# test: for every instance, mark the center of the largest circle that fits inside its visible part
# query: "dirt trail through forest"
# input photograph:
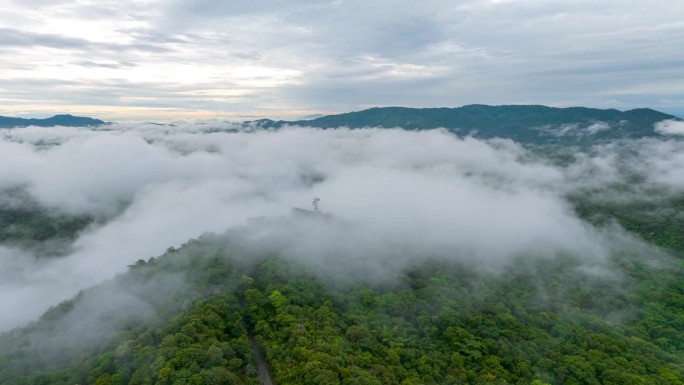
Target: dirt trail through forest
(262, 366)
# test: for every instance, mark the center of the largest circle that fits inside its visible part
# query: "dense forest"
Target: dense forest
(539, 321)
(37, 229)
(362, 296)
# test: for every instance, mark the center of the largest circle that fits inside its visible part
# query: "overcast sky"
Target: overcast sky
(240, 59)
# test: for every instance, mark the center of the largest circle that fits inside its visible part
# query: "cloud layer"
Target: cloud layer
(395, 195)
(214, 59)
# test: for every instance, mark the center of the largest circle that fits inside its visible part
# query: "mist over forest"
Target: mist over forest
(147, 189)
(86, 205)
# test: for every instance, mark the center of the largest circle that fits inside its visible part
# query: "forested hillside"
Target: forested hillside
(522, 123)
(430, 259)
(539, 320)
(57, 120)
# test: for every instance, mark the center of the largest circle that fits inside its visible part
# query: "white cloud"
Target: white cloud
(399, 194)
(670, 127)
(597, 127)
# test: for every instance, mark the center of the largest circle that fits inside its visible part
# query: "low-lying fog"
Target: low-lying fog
(404, 194)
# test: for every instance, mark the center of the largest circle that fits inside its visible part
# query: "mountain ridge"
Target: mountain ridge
(525, 123)
(66, 120)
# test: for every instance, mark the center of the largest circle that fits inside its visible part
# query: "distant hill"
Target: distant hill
(312, 117)
(57, 120)
(531, 123)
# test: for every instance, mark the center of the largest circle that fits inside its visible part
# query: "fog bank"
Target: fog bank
(395, 195)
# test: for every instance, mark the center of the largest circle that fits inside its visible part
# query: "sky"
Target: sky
(166, 60)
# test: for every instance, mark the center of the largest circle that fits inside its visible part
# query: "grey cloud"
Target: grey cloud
(242, 8)
(158, 37)
(113, 65)
(248, 55)
(576, 68)
(18, 38)
(35, 3)
(333, 29)
(15, 37)
(595, 53)
(344, 95)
